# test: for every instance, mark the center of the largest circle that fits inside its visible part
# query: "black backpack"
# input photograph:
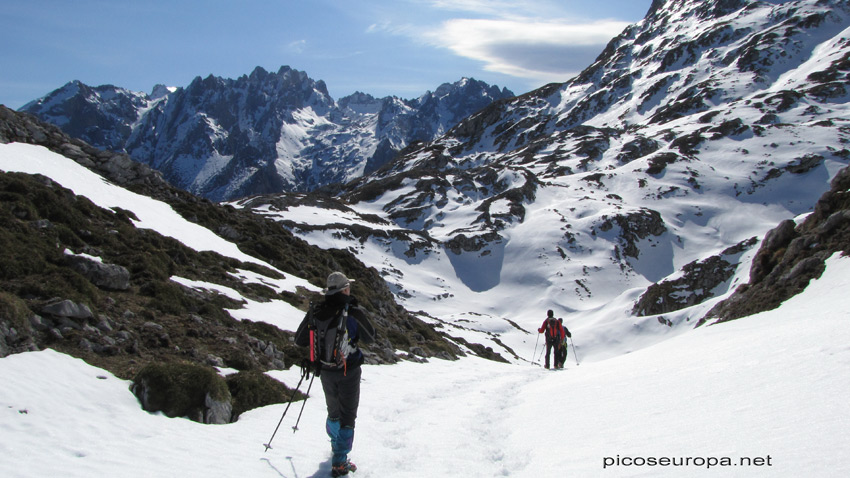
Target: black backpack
(329, 346)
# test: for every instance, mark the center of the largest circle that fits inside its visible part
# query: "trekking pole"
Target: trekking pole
(575, 352)
(535, 351)
(304, 373)
(295, 428)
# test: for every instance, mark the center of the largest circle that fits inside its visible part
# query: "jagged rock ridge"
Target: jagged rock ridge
(260, 133)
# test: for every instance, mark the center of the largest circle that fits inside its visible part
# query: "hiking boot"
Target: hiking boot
(343, 469)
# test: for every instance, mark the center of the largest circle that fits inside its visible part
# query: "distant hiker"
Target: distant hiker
(561, 353)
(553, 333)
(332, 330)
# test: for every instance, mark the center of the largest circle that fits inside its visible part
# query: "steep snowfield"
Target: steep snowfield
(152, 214)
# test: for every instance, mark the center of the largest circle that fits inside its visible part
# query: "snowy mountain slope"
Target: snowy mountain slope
(149, 213)
(261, 133)
(754, 397)
(188, 267)
(698, 130)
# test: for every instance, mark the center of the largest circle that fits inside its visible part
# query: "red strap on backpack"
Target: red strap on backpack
(312, 346)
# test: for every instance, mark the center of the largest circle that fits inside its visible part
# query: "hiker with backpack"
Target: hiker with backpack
(553, 332)
(561, 353)
(332, 329)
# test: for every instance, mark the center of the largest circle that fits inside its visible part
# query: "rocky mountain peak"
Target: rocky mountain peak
(263, 132)
(703, 9)
(361, 103)
(161, 91)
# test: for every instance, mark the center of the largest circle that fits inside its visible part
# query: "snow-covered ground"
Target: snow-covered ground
(695, 402)
(761, 396)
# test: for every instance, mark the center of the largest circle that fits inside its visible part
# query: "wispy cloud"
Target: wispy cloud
(526, 48)
(296, 46)
(405, 29)
(539, 40)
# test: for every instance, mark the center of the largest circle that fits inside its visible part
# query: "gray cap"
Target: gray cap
(336, 283)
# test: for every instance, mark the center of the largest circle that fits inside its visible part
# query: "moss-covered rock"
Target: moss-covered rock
(184, 390)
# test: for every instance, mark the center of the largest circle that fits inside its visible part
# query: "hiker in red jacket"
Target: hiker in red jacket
(554, 333)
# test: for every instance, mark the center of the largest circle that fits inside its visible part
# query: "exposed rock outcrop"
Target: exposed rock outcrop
(792, 255)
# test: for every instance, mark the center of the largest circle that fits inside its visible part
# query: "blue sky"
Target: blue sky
(380, 47)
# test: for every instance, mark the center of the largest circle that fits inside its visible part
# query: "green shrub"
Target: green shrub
(179, 389)
(240, 360)
(14, 311)
(166, 297)
(255, 389)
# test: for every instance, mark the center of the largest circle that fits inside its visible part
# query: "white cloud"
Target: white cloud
(527, 48)
(391, 28)
(297, 46)
(539, 41)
